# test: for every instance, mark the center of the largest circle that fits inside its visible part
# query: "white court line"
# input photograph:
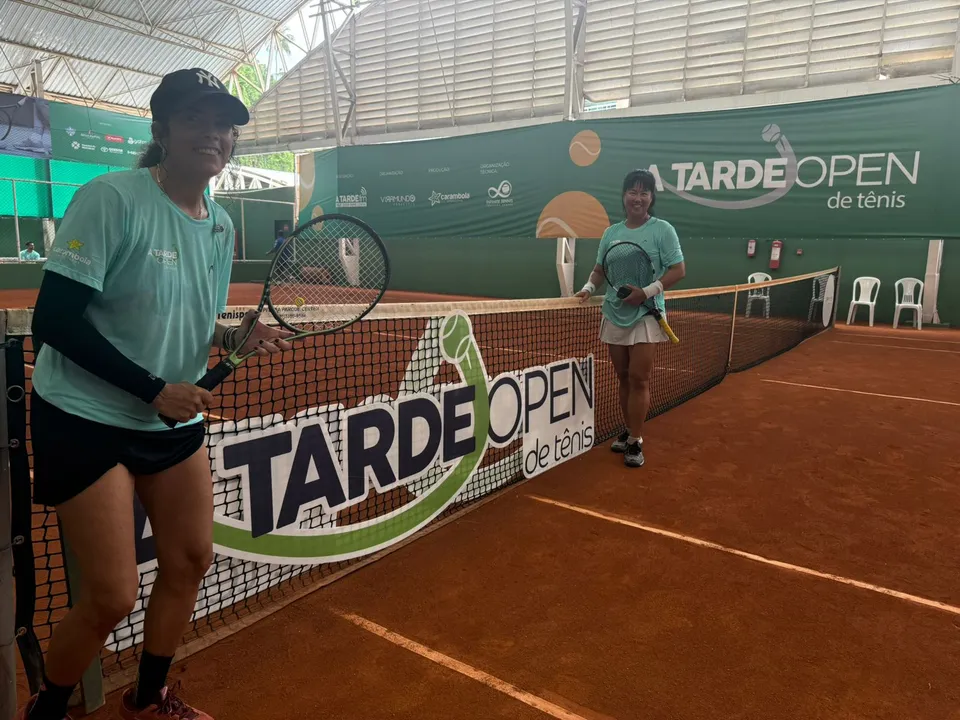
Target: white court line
(897, 336)
(916, 599)
(501, 686)
(862, 392)
(899, 347)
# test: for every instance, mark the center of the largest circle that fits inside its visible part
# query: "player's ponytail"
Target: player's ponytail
(154, 153)
(151, 156)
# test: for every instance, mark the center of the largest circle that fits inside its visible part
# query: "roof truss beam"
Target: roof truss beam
(140, 29)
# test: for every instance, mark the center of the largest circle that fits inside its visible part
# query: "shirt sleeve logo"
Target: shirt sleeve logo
(70, 252)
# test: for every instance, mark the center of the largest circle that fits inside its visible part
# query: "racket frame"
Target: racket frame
(623, 292)
(324, 218)
(217, 374)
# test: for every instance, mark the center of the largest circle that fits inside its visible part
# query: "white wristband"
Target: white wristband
(653, 289)
(589, 287)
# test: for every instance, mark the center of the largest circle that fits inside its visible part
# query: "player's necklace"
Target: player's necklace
(199, 214)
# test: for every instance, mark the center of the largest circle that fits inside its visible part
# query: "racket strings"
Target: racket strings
(627, 265)
(330, 263)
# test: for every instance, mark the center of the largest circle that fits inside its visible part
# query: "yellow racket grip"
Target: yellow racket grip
(668, 330)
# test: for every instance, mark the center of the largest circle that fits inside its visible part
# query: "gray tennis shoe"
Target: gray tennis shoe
(633, 455)
(620, 444)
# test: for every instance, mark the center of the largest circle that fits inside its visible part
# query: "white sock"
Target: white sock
(631, 440)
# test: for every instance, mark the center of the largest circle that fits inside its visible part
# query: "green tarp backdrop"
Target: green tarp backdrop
(44, 130)
(869, 166)
(97, 136)
(53, 142)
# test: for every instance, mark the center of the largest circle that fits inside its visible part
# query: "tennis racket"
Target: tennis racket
(626, 263)
(330, 273)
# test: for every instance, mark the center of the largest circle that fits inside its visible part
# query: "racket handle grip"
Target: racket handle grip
(668, 330)
(213, 377)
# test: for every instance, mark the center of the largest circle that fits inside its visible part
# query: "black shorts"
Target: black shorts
(71, 453)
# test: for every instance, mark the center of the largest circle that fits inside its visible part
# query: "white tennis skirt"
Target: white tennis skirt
(646, 330)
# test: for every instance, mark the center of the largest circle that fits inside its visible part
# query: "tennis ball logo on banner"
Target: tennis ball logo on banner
(428, 444)
(575, 213)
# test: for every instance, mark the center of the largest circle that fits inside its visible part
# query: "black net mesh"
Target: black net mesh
(771, 320)
(383, 357)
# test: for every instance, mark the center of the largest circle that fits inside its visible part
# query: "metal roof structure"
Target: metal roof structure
(112, 53)
(404, 69)
(238, 177)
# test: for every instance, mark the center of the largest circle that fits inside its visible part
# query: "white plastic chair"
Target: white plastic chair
(865, 291)
(762, 294)
(819, 294)
(909, 296)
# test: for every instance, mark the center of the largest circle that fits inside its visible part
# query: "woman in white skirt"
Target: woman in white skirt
(626, 327)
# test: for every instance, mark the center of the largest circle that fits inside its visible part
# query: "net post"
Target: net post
(566, 254)
(733, 327)
(8, 663)
(836, 297)
(243, 231)
(16, 221)
(14, 416)
(90, 691)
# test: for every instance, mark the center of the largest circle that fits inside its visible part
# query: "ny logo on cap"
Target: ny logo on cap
(210, 79)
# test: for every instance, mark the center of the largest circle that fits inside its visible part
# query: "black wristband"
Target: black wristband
(152, 387)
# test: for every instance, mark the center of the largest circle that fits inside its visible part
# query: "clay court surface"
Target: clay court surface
(788, 553)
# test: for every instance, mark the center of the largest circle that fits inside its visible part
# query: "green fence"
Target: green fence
(31, 208)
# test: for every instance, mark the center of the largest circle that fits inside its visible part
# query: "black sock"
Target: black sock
(51, 702)
(151, 678)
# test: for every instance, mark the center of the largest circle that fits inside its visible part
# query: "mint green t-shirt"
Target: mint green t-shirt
(29, 255)
(659, 239)
(161, 278)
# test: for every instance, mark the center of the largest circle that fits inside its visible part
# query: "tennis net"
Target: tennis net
(274, 544)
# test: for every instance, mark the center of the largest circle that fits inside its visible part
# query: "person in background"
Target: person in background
(30, 253)
(626, 327)
(127, 314)
(285, 263)
(277, 243)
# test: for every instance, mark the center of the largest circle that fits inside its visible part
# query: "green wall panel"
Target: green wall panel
(484, 267)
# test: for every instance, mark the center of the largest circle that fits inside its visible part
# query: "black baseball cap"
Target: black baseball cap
(185, 87)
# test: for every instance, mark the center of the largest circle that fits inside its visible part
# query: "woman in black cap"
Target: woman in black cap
(126, 316)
